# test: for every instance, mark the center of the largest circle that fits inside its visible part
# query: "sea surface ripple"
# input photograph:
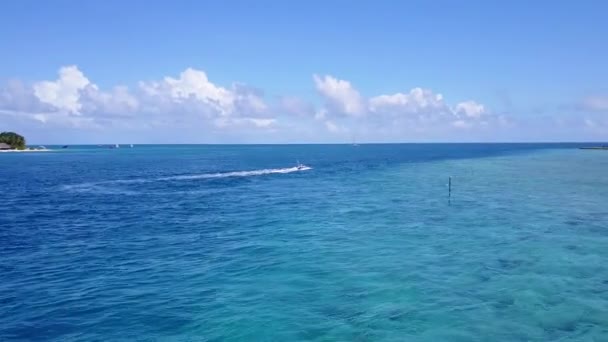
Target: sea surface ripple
(234, 243)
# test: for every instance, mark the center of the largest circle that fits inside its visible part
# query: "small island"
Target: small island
(13, 142)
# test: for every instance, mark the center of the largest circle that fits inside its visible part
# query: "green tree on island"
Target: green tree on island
(15, 140)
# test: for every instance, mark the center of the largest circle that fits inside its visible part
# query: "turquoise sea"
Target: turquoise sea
(233, 243)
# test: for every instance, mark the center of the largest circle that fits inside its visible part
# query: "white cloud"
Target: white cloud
(191, 85)
(417, 100)
(191, 101)
(332, 127)
(74, 100)
(223, 122)
(248, 100)
(426, 106)
(193, 91)
(64, 93)
(18, 97)
(262, 123)
(470, 109)
(400, 116)
(461, 124)
(40, 117)
(340, 95)
(118, 101)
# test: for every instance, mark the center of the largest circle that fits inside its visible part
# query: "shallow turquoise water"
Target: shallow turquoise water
(230, 243)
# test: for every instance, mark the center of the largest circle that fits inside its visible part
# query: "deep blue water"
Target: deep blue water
(231, 243)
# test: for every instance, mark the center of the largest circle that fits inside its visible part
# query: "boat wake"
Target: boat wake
(236, 173)
(99, 186)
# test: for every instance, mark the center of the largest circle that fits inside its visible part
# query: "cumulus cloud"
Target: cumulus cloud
(417, 100)
(64, 93)
(73, 100)
(248, 100)
(340, 95)
(192, 92)
(118, 101)
(15, 96)
(190, 85)
(470, 109)
(191, 101)
(417, 110)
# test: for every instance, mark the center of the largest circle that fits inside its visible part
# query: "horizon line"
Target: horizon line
(335, 143)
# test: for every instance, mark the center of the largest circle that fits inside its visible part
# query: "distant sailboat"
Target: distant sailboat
(116, 146)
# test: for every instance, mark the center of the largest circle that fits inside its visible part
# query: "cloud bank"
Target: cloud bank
(189, 107)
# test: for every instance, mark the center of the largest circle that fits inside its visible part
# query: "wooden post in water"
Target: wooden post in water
(450, 188)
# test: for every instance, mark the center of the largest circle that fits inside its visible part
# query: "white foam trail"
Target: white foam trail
(95, 187)
(235, 174)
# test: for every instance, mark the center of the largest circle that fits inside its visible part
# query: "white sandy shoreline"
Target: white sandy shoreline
(17, 151)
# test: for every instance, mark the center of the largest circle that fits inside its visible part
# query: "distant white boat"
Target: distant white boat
(116, 146)
(131, 145)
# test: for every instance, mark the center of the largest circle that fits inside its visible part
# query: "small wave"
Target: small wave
(97, 186)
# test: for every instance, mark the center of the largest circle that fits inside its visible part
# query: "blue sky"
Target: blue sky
(244, 71)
